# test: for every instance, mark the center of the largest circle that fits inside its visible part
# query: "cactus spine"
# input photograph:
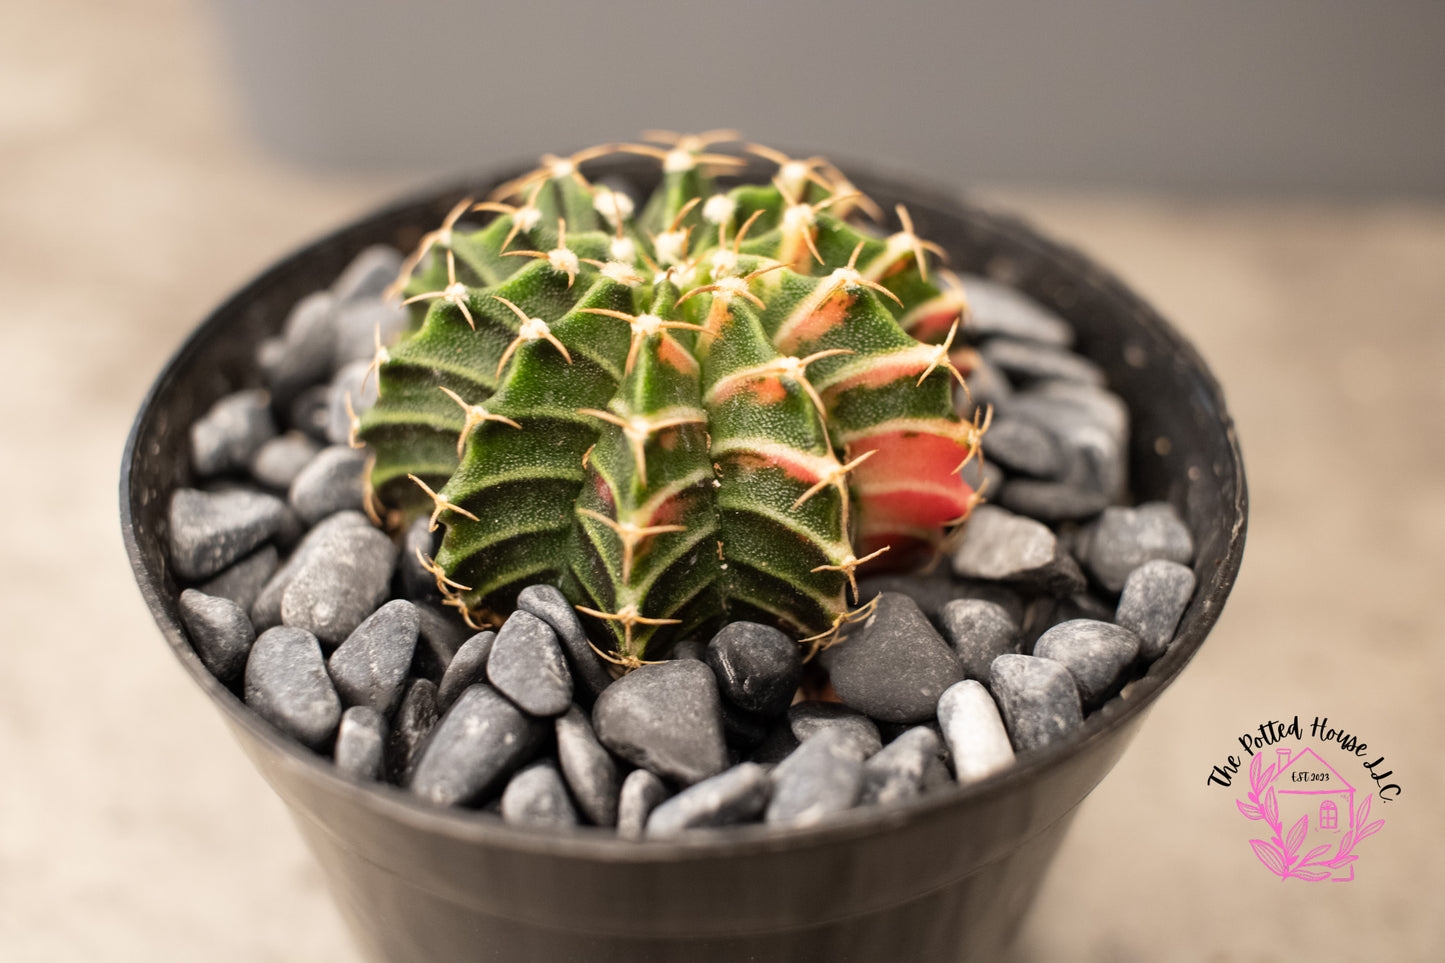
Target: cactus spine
(719, 406)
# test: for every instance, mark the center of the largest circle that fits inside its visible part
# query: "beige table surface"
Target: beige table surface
(131, 827)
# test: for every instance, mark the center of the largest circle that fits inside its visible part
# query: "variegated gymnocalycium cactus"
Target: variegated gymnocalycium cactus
(717, 407)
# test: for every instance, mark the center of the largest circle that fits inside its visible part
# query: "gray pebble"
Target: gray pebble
(758, 668)
(419, 584)
(1002, 546)
(369, 668)
(987, 385)
(536, 796)
(442, 636)
(1037, 698)
(413, 722)
(307, 348)
(936, 777)
(209, 531)
(357, 325)
(361, 743)
(1031, 361)
(340, 581)
(777, 745)
(467, 667)
(735, 796)
(242, 582)
(1154, 598)
(807, 719)
(227, 436)
(1095, 653)
(266, 612)
(220, 631)
(893, 666)
(980, 474)
(287, 684)
(999, 309)
(1124, 538)
(822, 777)
(666, 718)
(351, 383)
(1080, 494)
(978, 743)
(694, 649)
(527, 666)
(642, 792)
(931, 591)
(590, 770)
(368, 274)
(1023, 446)
(277, 463)
(744, 730)
(1006, 598)
(979, 632)
(333, 481)
(895, 773)
(481, 741)
(310, 411)
(589, 672)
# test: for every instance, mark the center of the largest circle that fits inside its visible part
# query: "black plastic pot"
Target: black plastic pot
(948, 877)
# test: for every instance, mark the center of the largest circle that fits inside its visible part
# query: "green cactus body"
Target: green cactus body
(718, 408)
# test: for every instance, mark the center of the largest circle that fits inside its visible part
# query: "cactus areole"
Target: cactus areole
(719, 404)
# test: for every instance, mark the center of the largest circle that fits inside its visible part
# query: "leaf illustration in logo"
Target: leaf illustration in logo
(1249, 811)
(1271, 808)
(1312, 873)
(1267, 853)
(1371, 829)
(1316, 853)
(1256, 772)
(1296, 835)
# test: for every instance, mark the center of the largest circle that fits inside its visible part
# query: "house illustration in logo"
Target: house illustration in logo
(1306, 785)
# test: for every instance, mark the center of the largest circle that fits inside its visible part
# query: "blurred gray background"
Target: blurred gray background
(1292, 96)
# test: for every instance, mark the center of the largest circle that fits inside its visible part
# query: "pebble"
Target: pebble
(209, 531)
(220, 632)
(1002, 546)
(1037, 698)
(442, 637)
(310, 411)
(589, 672)
(536, 796)
(642, 792)
(333, 481)
(694, 649)
(304, 353)
(341, 580)
(666, 718)
(351, 382)
(481, 741)
(744, 730)
(977, 741)
(357, 325)
(527, 666)
(467, 667)
(369, 668)
(777, 744)
(980, 474)
(1021, 445)
(417, 583)
(361, 743)
(277, 463)
(1080, 494)
(287, 684)
(735, 796)
(1095, 653)
(823, 776)
(807, 719)
(895, 773)
(1031, 361)
(413, 722)
(999, 594)
(979, 632)
(590, 769)
(266, 611)
(1000, 309)
(931, 591)
(368, 274)
(1154, 598)
(242, 582)
(1124, 538)
(895, 665)
(987, 385)
(758, 668)
(227, 436)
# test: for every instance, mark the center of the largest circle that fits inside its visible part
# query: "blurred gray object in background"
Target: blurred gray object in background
(1295, 96)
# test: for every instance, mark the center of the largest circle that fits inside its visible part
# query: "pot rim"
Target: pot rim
(589, 842)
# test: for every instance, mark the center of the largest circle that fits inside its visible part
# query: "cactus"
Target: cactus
(719, 405)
